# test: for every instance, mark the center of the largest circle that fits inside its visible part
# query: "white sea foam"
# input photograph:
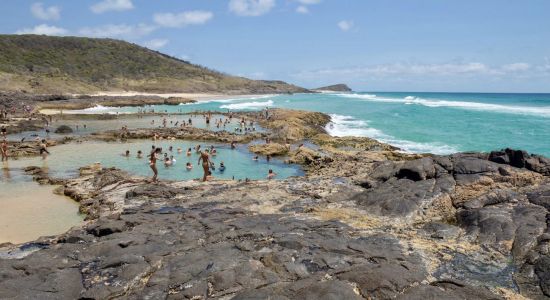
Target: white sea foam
(98, 109)
(349, 126)
(229, 100)
(543, 111)
(248, 105)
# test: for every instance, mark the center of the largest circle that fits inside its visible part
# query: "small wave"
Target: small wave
(98, 109)
(349, 126)
(543, 111)
(248, 105)
(228, 100)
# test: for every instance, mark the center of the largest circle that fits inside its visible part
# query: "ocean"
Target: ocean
(439, 123)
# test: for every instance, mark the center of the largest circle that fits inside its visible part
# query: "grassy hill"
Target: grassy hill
(46, 64)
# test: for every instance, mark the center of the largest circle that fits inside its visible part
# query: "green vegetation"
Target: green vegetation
(46, 64)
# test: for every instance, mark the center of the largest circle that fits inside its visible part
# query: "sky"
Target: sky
(371, 45)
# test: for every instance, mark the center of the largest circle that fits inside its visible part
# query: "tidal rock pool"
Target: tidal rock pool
(30, 210)
(65, 160)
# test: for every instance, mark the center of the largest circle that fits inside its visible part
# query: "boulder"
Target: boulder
(63, 129)
(272, 149)
(521, 159)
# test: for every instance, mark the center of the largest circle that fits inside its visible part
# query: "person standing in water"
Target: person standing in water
(153, 163)
(205, 164)
(4, 150)
(44, 149)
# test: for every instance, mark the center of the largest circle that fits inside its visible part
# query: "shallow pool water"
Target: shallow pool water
(65, 160)
(30, 210)
(132, 122)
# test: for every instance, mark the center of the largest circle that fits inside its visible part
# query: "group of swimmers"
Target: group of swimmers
(204, 160)
(243, 124)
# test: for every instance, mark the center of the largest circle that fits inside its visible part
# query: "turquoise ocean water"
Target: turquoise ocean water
(439, 123)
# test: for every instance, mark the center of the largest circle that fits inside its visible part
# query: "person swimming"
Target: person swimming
(271, 174)
(189, 152)
(173, 159)
(127, 153)
(205, 164)
(213, 151)
(255, 158)
(139, 154)
(153, 162)
(167, 162)
(179, 150)
(198, 149)
(222, 167)
(189, 166)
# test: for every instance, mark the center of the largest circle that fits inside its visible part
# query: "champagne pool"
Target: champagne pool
(65, 160)
(132, 122)
(30, 210)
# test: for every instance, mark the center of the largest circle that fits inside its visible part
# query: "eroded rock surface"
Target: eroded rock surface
(436, 227)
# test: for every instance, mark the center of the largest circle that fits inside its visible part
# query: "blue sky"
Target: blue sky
(373, 45)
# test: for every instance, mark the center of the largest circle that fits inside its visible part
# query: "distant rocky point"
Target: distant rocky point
(334, 88)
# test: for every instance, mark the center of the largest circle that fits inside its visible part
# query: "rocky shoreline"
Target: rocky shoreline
(366, 222)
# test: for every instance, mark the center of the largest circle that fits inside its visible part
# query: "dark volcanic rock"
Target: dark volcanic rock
(153, 191)
(402, 197)
(215, 254)
(447, 290)
(63, 129)
(521, 159)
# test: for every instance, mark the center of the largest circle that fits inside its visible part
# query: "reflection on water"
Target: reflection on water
(30, 210)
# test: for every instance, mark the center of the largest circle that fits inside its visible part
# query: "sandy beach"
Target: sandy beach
(191, 97)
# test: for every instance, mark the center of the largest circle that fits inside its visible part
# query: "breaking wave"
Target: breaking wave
(248, 105)
(543, 111)
(349, 126)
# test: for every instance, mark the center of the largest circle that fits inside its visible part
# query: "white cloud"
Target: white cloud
(112, 5)
(414, 70)
(251, 8)
(516, 67)
(118, 30)
(302, 9)
(45, 13)
(309, 2)
(155, 43)
(196, 17)
(43, 29)
(345, 25)
(545, 67)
